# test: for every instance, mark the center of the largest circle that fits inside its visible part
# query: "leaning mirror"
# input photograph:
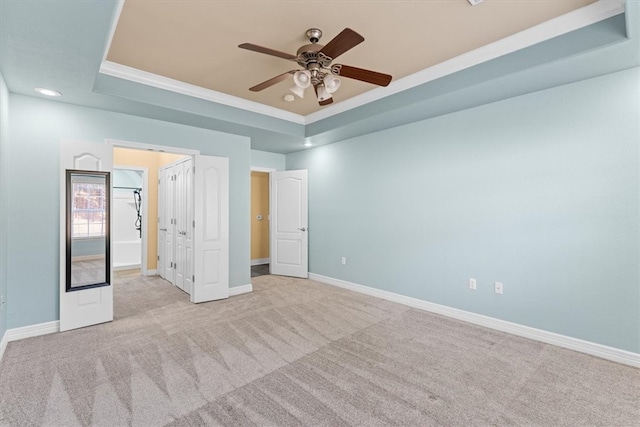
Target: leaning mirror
(88, 262)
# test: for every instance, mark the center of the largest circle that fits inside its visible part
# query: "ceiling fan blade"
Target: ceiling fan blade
(326, 101)
(361, 74)
(271, 82)
(266, 50)
(341, 43)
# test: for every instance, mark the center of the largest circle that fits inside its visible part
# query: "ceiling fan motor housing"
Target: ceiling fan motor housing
(314, 34)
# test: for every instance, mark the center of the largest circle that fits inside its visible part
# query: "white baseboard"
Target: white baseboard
(239, 290)
(260, 261)
(152, 273)
(126, 267)
(3, 344)
(594, 349)
(33, 330)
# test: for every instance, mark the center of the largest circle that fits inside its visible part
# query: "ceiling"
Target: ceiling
(195, 42)
(65, 45)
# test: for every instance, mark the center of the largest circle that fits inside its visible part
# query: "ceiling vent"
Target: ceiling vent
(474, 2)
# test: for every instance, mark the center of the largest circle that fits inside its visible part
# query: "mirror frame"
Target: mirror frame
(69, 203)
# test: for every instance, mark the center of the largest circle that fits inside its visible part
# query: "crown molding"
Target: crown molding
(154, 80)
(585, 16)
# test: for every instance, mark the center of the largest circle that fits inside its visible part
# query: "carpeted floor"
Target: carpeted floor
(296, 352)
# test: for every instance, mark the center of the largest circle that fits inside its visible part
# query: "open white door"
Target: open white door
(289, 241)
(82, 302)
(211, 229)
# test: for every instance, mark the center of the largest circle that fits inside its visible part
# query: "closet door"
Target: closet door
(162, 223)
(180, 225)
(169, 239)
(187, 236)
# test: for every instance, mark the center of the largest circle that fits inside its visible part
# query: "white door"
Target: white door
(180, 225)
(162, 224)
(289, 241)
(211, 229)
(83, 306)
(170, 224)
(188, 229)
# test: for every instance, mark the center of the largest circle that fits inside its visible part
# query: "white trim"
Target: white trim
(133, 74)
(128, 267)
(594, 349)
(3, 344)
(261, 169)
(239, 290)
(153, 272)
(579, 18)
(260, 261)
(16, 334)
(151, 147)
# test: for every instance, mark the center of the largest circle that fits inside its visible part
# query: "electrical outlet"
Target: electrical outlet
(498, 287)
(344, 260)
(472, 284)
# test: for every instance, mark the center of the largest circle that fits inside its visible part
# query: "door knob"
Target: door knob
(302, 229)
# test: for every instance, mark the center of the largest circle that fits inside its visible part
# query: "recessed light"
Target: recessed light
(47, 92)
(288, 97)
(308, 144)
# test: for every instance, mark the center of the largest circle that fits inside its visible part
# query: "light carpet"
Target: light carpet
(299, 353)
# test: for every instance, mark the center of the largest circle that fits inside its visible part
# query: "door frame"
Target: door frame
(266, 170)
(145, 212)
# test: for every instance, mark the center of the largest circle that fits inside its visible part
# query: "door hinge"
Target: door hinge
(193, 279)
(171, 264)
(158, 257)
(194, 169)
(158, 181)
(175, 265)
(194, 223)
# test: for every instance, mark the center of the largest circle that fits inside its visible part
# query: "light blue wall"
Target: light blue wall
(540, 192)
(33, 202)
(4, 141)
(265, 159)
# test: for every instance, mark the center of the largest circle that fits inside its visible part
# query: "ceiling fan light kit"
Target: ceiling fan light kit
(317, 69)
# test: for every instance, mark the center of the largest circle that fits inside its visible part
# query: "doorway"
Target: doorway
(260, 217)
(132, 161)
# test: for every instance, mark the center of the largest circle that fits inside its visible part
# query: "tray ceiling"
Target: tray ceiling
(195, 42)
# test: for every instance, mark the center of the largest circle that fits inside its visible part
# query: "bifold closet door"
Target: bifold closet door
(179, 210)
(169, 236)
(184, 225)
(162, 223)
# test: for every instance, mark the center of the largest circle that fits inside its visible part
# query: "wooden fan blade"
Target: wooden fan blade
(361, 74)
(341, 43)
(266, 50)
(271, 82)
(326, 101)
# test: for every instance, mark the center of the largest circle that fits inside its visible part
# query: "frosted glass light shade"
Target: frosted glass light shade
(302, 79)
(323, 93)
(332, 83)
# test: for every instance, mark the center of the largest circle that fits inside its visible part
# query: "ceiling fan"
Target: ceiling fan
(315, 59)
